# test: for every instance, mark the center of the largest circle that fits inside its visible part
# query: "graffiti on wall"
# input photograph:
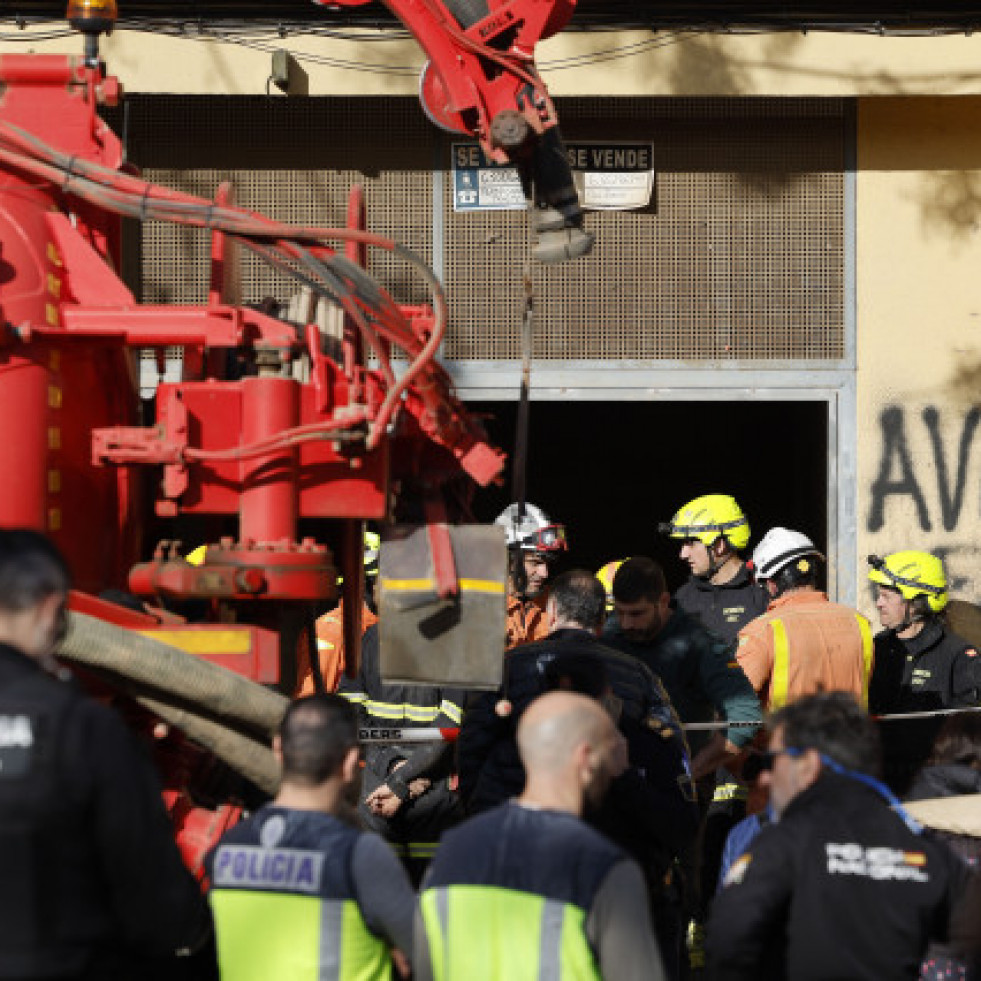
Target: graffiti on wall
(929, 464)
(900, 474)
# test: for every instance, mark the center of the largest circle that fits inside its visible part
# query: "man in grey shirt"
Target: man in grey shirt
(296, 890)
(528, 890)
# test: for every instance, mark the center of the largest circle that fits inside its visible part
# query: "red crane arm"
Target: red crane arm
(481, 81)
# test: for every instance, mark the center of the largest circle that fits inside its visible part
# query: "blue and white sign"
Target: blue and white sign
(608, 177)
(480, 185)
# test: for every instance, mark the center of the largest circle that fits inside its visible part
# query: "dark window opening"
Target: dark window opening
(611, 471)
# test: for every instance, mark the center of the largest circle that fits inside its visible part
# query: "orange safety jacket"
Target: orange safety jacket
(330, 647)
(526, 621)
(803, 644)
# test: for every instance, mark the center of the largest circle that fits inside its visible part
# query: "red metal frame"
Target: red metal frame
(261, 452)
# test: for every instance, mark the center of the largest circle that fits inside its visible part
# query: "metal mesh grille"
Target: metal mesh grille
(740, 256)
(293, 159)
(175, 258)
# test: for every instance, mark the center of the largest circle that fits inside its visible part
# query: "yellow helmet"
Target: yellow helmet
(372, 551)
(708, 517)
(912, 574)
(197, 556)
(605, 576)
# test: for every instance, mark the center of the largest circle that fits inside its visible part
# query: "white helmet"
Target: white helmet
(532, 531)
(778, 548)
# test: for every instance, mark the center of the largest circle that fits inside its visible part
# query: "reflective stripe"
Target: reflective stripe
(331, 926)
(421, 849)
(428, 585)
(406, 710)
(780, 679)
(402, 710)
(865, 629)
(692, 530)
(730, 791)
(451, 710)
(443, 913)
(482, 586)
(550, 946)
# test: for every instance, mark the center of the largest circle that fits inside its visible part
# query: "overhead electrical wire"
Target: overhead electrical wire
(262, 36)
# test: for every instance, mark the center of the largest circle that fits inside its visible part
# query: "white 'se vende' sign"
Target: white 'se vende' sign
(608, 177)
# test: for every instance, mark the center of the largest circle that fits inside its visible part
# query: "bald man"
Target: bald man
(528, 890)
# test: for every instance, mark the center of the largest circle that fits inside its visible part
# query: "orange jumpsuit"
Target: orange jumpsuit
(330, 645)
(803, 644)
(526, 621)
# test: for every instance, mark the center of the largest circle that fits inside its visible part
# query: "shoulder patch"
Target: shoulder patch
(737, 871)
(17, 742)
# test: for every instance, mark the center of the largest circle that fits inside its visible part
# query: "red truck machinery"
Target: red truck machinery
(274, 425)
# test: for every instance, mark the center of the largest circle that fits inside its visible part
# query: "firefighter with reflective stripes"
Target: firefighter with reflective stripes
(528, 891)
(297, 892)
(804, 643)
(406, 795)
(920, 665)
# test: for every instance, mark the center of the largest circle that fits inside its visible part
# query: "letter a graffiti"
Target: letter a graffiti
(895, 446)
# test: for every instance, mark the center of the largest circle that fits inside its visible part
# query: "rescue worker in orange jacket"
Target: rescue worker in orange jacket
(533, 542)
(803, 643)
(330, 629)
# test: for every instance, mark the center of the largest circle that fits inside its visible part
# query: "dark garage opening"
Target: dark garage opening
(610, 471)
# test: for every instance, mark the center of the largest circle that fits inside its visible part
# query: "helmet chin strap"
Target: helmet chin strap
(714, 563)
(910, 618)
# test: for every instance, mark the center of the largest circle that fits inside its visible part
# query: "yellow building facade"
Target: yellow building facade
(897, 400)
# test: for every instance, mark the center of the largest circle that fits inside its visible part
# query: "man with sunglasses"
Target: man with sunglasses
(842, 885)
(534, 542)
(91, 883)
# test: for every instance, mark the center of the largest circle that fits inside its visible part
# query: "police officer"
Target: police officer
(843, 885)
(650, 810)
(527, 890)
(721, 591)
(91, 883)
(297, 892)
(919, 664)
(533, 543)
